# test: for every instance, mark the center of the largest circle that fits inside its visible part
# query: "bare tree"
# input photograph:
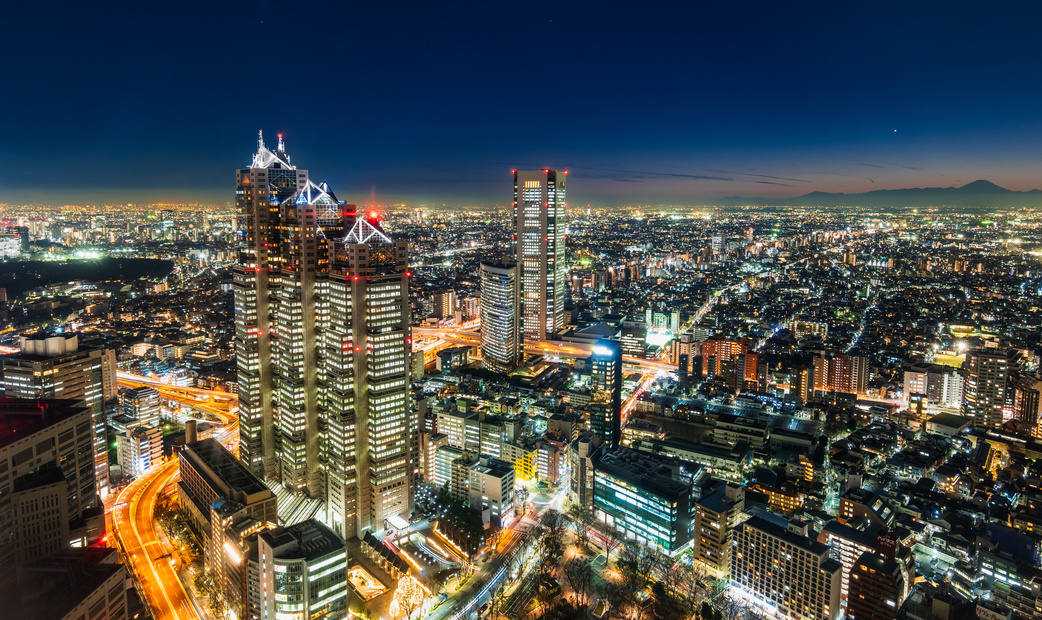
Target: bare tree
(579, 575)
(612, 539)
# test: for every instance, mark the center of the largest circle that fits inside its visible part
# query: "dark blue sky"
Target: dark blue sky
(436, 101)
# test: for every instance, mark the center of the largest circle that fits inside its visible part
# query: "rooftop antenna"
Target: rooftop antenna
(282, 147)
(260, 140)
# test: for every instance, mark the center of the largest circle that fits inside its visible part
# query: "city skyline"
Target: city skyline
(710, 103)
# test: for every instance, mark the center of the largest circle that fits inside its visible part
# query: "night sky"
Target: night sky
(435, 102)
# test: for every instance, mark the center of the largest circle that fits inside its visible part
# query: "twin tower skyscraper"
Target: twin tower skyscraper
(323, 346)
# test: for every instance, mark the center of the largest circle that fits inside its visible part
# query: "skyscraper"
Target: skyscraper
(366, 372)
(986, 385)
(539, 229)
(502, 346)
(308, 221)
(606, 409)
(259, 192)
(323, 345)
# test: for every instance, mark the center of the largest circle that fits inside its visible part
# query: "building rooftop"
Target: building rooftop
(643, 471)
(791, 538)
(307, 540)
(21, 417)
(54, 586)
(224, 464)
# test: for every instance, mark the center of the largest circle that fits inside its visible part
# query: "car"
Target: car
(481, 610)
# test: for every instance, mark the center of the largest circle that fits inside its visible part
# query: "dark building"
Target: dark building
(877, 588)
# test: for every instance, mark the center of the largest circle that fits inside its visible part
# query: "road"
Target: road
(133, 522)
(136, 531)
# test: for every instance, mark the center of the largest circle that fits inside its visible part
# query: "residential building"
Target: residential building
(142, 403)
(786, 572)
(492, 489)
(717, 514)
(986, 385)
(139, 449)
(877, 588)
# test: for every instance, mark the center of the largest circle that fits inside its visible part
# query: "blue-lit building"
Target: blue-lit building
(645, 499)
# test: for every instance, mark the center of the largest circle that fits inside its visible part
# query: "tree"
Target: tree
(408, 597)
(612, 539)
(579, 575)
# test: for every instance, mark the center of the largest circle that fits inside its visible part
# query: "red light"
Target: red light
(513, 171)
(280, 135)
(373, 215)
(566, 172)
(356, 277)
(408, 274)
(357, 349)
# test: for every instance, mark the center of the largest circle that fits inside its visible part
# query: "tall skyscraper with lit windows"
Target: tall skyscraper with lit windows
(367, 348)
(323, 346)
(260, 191)
(539, 232)
(502, 347)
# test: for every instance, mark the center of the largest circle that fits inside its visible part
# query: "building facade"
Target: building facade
(502, 346)
(539, 234)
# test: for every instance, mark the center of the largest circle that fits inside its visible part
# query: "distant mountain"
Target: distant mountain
(978, 194)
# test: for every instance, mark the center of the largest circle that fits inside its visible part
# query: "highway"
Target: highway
(136, 530)
(133, 521)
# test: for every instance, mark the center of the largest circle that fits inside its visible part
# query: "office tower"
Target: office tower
(636, 495)
(142, 403)
(54, 366)
(47, 485)
(371, 426)
(986, 385)
(307, 221)
(786, 571)
(719, 243)
(606, 409)
(539, 230)
(502, 345)
(301, 573)
(260, 190)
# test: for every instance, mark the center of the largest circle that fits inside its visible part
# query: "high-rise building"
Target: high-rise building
(300, 310)
(372, 430)
(445, 304)
(841, 373)
(716, 516)
(986, 385)
(539, 231)
(54, 366)
(606, 409)
(260, 189)
(140, 449)
(502, 345)
(877, 588)
(323, 347)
